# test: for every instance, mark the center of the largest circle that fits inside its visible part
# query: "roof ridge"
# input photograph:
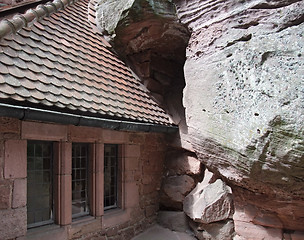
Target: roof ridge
(19, 21)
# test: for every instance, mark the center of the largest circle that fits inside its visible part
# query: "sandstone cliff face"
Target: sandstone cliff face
(242, 109)
(247, 62)
(246, 119)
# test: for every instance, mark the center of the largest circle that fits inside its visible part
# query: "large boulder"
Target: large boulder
(179, 163)
(183, 163)
(174, 191)
(210, 204)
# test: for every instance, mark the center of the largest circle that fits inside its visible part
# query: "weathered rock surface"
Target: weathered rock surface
(209, 178)
(223, 230)
(13, 223)
(180, 163)
(267, 210)
(294, 235)
(246, 122)
(174, 191)
(256, 232)
(211, 204)
(181, 174)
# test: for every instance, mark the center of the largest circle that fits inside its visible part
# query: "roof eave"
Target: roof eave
(35, 114)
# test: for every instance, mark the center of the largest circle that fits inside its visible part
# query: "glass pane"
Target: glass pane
(38, 149)
(80, 160)
(110, 175)
(39, 183)
(38, 163)
(46, 163)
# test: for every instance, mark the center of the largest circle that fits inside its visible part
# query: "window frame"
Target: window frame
(89, 180)
(62, 138)
(52, 185)
(119, 178)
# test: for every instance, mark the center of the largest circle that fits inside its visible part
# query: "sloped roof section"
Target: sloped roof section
(60, 62)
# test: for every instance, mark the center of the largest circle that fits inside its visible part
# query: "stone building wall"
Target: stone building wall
(143, 155)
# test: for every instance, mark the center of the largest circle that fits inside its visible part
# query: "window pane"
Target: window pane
(80, 161)
(39, 183)
(110, 175)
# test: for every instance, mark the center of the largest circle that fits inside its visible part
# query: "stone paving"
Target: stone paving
(157, 232)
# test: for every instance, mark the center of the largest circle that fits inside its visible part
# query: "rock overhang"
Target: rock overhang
(150, 38)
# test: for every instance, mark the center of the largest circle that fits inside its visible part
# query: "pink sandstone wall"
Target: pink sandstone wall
(143, 168)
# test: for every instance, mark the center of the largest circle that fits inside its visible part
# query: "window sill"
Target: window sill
(114, 217)
(47, 232)
(84, 225)
(83, 220)
(113, 211)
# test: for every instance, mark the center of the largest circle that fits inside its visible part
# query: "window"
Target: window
(111, 176)
(80, 180)
(39, 183)
(49, 165)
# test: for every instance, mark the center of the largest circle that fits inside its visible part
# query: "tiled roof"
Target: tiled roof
(61, 62)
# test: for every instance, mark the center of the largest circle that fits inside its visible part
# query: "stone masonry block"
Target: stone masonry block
(132, 163)
(149, 188)
(19, 193)
(151, 210)
(112, 231)
(34, 130)
(132, 194)
(65, 160)
(9, 125)
(152, 140)
(15, 159)
(88, 133)
(1, 159)
(127, 233)
(12, 223)
(5, 194)
(65, 199)
(81, 229)
(132, 151)
(136, 138)
(116, 137)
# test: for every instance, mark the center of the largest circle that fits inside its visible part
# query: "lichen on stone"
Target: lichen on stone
(111, 13)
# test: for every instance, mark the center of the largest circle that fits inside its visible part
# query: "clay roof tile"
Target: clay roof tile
(4, 69)
(23, 92)
(62, 61)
